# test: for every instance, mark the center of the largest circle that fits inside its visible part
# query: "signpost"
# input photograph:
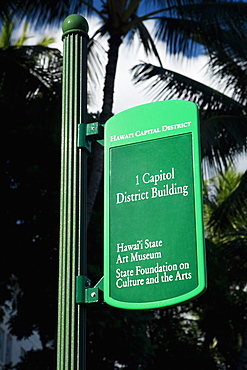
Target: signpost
(154, 242)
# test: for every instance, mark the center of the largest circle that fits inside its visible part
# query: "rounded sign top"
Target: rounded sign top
(75, 23)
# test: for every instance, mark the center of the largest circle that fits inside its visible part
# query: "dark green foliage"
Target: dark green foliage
(41, 14)
(37, 360)
(30, 174)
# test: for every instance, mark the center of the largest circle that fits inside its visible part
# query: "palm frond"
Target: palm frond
(6, 32)
(29, 70)
(23, 36)
(194, 22)
(146, 40)
(223, 138)
(167, 84)
(223, 120)
(177, 34)
(230, 71)
(96, 61)
(46, 41)
(218, 15)
(43, 12)
(230, 214)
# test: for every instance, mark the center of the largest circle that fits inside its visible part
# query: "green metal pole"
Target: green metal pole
(71, 341)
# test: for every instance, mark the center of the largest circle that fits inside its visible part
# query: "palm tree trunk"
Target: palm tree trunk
(97, 163)
(111, 67)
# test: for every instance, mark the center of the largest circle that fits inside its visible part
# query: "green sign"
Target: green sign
(154, 242)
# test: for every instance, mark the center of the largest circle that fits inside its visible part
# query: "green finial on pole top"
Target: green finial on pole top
(75, 23)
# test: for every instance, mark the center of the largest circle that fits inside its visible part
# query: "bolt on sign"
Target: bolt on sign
(154, 242)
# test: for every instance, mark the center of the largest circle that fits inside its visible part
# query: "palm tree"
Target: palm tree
(30, 85)
(224, 125)
(40, 14)
(223, 117)
(181, 25)
(27, 71)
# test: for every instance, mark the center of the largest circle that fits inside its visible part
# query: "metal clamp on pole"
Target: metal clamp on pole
(95, 131)
(86, 294)
(83, 141)
(89, 132)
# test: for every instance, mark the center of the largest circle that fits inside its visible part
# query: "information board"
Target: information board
(154, 242)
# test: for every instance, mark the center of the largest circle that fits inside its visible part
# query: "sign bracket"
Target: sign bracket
(87, 294)
(88, 132)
